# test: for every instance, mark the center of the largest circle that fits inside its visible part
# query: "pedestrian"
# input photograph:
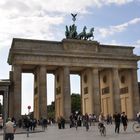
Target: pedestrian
(59, 122)
(101, 118)
(90, 119)
(124, 120)
(71, 120)
(45, 123)
(62, 122)
(94, 119)
(27, 125)
(109, 119)
(9, 130)
(117, 118)
(34, 124)
(101, 121)
(138, 117)
(86, 121)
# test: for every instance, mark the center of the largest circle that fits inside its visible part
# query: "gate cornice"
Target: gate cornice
(70, 52)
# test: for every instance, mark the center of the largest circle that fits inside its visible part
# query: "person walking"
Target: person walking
(86, 117)
(138, 117)
(62, 122)
(27, 125)
(59, 122)
(45, 123)
(117, 118)
(124, 120)
(9, 130)
(101, 124)
(101, 118)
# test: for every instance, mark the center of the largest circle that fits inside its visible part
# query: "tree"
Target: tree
(51, 110)
(75, 105)
(75, 102)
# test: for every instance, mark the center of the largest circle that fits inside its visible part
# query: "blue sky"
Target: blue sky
(115, 22)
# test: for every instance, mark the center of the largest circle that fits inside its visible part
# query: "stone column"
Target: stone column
(5, 108)
(42, 91)
(66, 93)
(135, 91)
(11, 95)
(36, 95)
(17, 92)
(5, 104)
(116, 90)
(96, 98)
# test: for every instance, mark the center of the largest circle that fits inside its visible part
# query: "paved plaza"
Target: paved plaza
(53, 133)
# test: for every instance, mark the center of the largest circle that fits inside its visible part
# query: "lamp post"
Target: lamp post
(29, 107)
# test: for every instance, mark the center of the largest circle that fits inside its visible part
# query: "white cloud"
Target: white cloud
(64, 6)
(112, 42)
(35, 18)
(30, 27)
(118, 2)
(71, 5)
(137, 44)
(68, 6)
(104, 32)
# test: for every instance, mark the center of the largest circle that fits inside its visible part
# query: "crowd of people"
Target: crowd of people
(75, 120)
(26, 122)
(84, 120)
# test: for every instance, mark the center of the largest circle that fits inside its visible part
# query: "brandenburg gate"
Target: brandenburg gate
(108, 76)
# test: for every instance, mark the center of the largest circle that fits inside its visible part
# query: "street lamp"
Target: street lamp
(29, 107)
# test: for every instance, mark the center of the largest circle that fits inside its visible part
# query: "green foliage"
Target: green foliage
(75, 102)
(51, 110)
(75, 105)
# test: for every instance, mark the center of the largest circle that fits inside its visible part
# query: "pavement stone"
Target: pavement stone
(53, 133)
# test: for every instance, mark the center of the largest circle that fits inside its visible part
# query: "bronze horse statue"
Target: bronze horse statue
(67, 32)
(71, 32)
(82, 34)
(90, 34)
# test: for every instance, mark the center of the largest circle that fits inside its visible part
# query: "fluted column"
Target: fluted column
(116, 90)
(135, 91)
(42, 91)
(66, 93)
(11, 95)
(96, 99)
(5, 104)
(17, 91)
(36, 94)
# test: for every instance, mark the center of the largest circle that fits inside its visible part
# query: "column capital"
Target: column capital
(16, 67)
